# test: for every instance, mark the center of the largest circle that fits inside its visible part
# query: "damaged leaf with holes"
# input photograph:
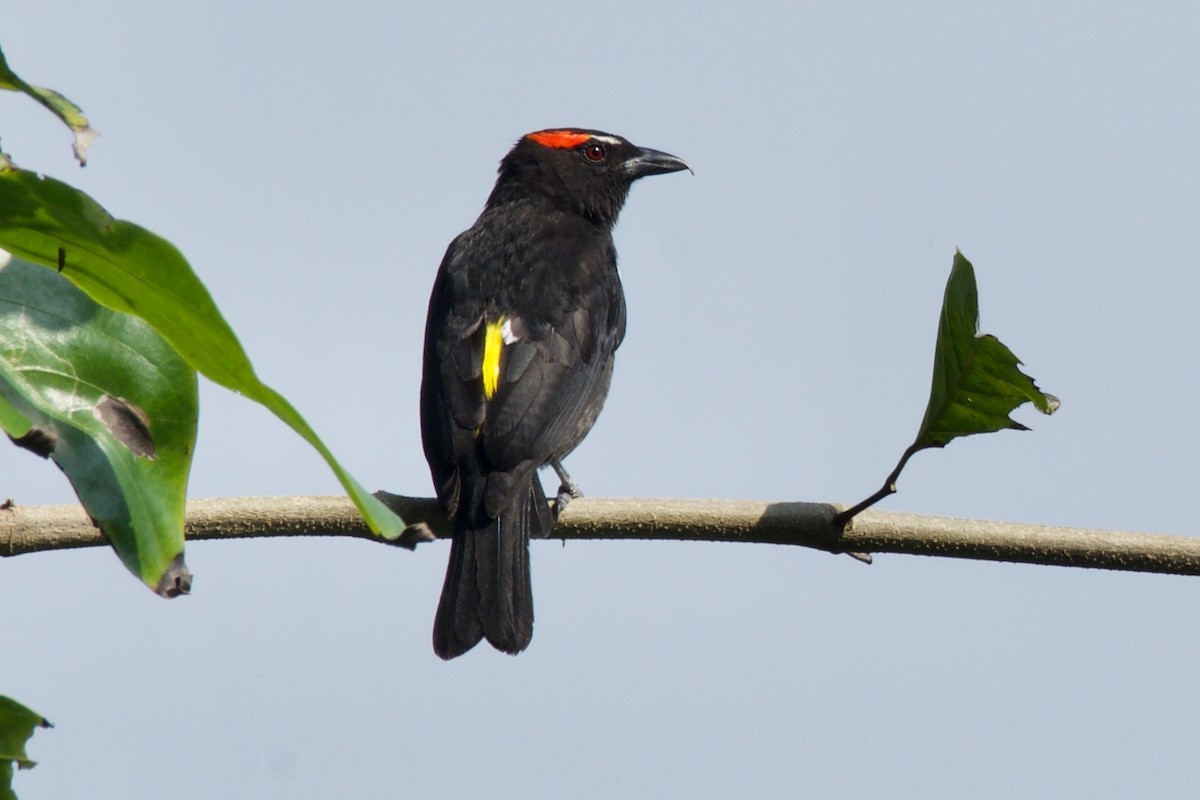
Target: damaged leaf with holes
(111, 403)
(127, 268)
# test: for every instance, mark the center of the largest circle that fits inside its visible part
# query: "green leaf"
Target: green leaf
(976, 382)
(129, 269)
(64, 109)
(17, 724)
(12, 421)
(111, 403)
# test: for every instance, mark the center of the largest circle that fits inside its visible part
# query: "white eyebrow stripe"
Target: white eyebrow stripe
(613, 140)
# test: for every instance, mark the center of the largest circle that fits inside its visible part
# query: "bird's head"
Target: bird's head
(586, 171)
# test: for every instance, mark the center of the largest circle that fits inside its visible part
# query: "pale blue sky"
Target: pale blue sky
(313, 160)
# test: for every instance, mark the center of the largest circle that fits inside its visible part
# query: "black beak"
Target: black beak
(654, 162)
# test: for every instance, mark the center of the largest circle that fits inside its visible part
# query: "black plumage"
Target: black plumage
(526, 313)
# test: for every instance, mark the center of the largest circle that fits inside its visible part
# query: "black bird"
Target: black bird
(526, 313)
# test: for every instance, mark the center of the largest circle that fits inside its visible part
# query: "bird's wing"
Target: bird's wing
(550, 365)
(452, 399)
(552, 380)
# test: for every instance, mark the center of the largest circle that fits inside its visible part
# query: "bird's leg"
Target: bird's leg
(567, 489)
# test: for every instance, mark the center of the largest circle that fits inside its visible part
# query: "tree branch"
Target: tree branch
(41, 528)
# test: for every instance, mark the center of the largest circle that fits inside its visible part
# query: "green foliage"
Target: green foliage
(17, 724)
(129, 269)
(976, 380)
(111, 403)
(71, 114)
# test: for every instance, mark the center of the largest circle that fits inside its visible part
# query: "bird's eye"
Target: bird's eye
(595, 153)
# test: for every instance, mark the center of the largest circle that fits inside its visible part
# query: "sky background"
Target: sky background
(313, 160)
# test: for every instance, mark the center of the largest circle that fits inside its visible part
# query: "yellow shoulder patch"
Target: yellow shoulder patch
(493, 343)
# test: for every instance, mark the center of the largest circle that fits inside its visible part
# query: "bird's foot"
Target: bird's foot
(567, 489)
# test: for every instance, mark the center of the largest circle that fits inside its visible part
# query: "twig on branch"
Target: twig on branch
(41, 528)
(888, 488)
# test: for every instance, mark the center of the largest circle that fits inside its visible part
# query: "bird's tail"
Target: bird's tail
(487, 590)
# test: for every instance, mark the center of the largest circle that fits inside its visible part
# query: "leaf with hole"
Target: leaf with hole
(111, 403)
(129, 269)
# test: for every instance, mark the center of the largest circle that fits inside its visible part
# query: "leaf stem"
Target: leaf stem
(889, 488)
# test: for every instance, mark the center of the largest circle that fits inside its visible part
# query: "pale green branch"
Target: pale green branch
(42, 528)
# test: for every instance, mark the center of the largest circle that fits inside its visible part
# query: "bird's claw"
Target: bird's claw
(568, 490)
